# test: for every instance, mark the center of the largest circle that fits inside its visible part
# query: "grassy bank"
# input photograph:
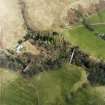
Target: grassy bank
(43, 89)
(61, 87)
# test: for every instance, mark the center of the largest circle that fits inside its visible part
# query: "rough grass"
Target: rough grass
(50, 88)
(43, 89)
(7, 76)
(87, 40)
(87, 96)
(99, 17)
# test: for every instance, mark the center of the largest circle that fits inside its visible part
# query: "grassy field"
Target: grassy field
(50, 88)
(97, 18)
(87, 40)
(43, 89)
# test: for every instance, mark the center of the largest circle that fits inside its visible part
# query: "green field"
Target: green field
(87, 40)
(97, 18)
(49, 88)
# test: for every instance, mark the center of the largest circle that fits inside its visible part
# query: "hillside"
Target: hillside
(52, 52)
(65, 86)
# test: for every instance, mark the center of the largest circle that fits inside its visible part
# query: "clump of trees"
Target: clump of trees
(55, 54)
(9, 60)
(61, 53)
(37, 35)
(96, 69)
(100, 35)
